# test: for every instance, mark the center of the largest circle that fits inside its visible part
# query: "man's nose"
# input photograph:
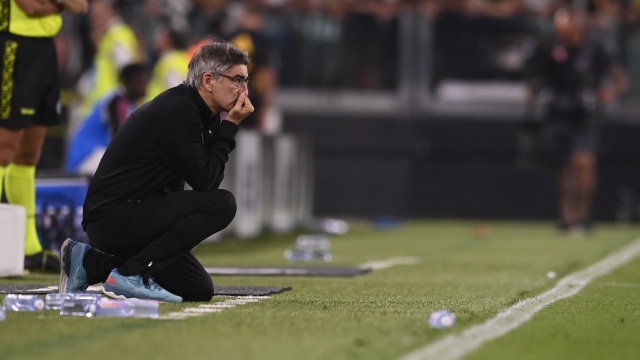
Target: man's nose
(243, 90)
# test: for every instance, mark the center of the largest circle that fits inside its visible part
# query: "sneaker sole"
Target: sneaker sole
(116, 296)
(122, 297)
(64, 279)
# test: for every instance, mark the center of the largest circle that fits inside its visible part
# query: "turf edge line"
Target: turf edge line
(385, 264)
(211, 308)
(456, 346)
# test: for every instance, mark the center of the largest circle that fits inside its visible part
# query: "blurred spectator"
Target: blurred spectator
(206, 19)
(631, 11)
(430, 8)
(482, 39)
(606, 24)
(630, 42)
(177, 12)
(171, 68)
(497, 8)
(116, 47)
(319, 33)
(90, 141)
(487, 8)
(575, 71)
(370, 44)
(263, 70)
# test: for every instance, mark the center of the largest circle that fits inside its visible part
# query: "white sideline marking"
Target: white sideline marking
(43, 289)
(181, 315)
(456, 346)
(201, 310)
(384, 264)
(48, 288)
(211, 308)
(55, 287)
(619, 284)
(222, 306)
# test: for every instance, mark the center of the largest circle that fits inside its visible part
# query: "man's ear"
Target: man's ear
(207, 80)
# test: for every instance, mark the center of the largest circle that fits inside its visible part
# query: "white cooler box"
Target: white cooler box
(12, 228)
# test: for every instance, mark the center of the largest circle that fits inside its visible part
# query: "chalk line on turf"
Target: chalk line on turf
(384, 264)
(619, 284)
(217, 307)
(456, 346)
(55, 287)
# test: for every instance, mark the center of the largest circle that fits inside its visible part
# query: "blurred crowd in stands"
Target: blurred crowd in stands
(341, 43)
(325, 44)
(485, 39)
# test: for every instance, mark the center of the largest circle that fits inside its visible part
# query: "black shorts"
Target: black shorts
(30, 90)
(560, 140)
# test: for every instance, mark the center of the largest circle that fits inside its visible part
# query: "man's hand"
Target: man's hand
(241, 110)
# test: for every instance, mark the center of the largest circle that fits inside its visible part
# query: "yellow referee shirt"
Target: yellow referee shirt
(15, 21)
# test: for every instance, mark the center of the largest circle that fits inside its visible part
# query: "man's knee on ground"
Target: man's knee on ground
(204, 292)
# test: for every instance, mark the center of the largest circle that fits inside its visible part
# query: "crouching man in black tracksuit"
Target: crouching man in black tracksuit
(136, 213)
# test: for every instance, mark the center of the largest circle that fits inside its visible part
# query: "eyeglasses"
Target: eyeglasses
(238, 82)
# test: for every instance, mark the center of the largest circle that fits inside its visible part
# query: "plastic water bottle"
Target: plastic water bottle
(23, 303)
(310, 248)
(56, 301)
(442, 319)
(307, 256)
(128, 308)
(76, 304)
(334, 226)
(316, 242)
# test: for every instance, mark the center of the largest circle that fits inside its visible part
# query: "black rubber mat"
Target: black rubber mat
(248, 290)
(218, 290)
(287, 271)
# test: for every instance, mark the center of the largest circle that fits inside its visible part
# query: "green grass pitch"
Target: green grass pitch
(380, 315)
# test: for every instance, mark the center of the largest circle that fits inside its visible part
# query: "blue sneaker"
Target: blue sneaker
(73, 277)
(132, 287)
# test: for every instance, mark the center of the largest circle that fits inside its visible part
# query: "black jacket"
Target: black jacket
(571, 73)
(171, 139)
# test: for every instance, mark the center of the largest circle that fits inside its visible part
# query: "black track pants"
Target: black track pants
(154, 237)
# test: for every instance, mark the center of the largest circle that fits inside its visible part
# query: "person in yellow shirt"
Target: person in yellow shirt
(171, 68)
(29, 102)
(116, 47)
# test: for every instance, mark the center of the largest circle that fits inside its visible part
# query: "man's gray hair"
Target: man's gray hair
(216, 57)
